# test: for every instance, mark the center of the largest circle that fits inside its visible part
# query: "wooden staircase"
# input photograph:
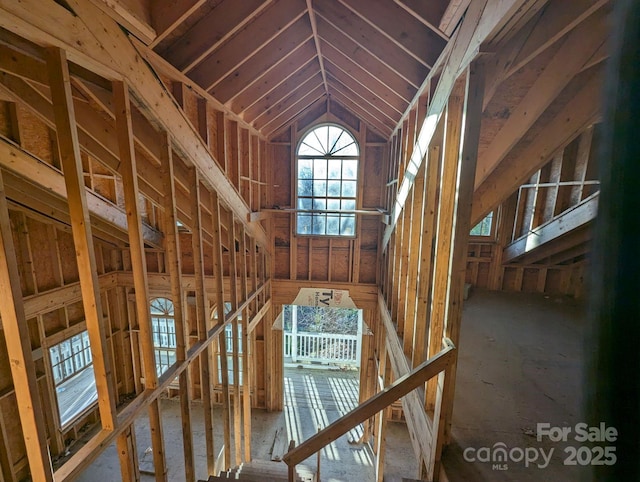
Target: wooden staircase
(264, 471)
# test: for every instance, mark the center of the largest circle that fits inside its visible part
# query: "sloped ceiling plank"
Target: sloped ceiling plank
(166, 16)
(403, 28)
(430, 13)
(369, 104)
(358, 55)
(364, 96)
(218, 25)
(302, 58)
(293, 110)
(356, 71)
(261, 61)
(365, 34)
(282, 90)
(369, 39)
(294, 96)
(355, 84)
(378, 126)
(270, 23)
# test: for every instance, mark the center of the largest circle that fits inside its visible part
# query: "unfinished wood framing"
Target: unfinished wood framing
(150, 152)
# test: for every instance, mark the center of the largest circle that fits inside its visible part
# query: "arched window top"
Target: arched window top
(161, 306)
(327, 182)
(328, 141)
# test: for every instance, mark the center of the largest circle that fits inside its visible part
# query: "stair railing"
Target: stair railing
(381, 400)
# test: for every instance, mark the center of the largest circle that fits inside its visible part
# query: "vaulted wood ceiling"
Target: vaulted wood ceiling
(268, 60)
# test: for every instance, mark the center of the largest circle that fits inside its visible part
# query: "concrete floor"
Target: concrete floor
(520, 364)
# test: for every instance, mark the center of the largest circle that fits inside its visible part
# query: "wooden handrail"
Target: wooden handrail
(373, 405)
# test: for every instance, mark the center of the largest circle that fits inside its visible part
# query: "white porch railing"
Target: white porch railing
(322, 347)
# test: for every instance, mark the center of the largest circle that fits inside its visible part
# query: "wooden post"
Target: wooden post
(423, 311)
(128, 455)
(222, 339)
(233, 292)
(246, 337)
(69, 151)
(129, 174)
(202, 314)
(468, 159)
(444, 242)
(172, 246)
(16, 335)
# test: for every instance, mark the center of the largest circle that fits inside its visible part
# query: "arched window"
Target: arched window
(164, 333)
(327, 178)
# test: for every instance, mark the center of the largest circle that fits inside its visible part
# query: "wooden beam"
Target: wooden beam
(218, 272)
(129, 173)
(18, 346)
(565, 223)
(167, 16)
(444, 242)
(211, 31)
(203, 316)
(81, 459)
(576, 49)
(47, 22)
(316, 40)
(472, 120)
(134, 16)
(233, 298)
(128, 455)
(467, 36)
(419, 425)
(579, 112)
(69, 151)
(271, 22)
(173, 262)
(246, 345)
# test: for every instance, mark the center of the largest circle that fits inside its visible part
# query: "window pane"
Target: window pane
(305, 188)
(319, 168)
(319, 204)
(333, 204)
(346, 145)
(333, 188)
(349, 204)
(305, 169)
(334, 135)
(321, 134)
(319, 224)
(349, 169)
(320, 188)
(304, 203)
(335, 168)
(304, 224)
(349, 188)
(333, 225)
(347, 225)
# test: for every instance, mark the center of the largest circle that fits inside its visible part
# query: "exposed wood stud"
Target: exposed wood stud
(69, 151)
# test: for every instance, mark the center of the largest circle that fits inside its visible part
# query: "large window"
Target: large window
(164, 333)
(327, 178)
(72, 367)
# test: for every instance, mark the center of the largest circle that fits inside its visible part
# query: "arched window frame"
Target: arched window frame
(326, 213)
(163, 328)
